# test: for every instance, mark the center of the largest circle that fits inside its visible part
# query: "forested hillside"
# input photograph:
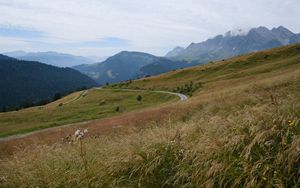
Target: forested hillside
(24, 82)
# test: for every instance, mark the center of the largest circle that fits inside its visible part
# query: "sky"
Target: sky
(104, 27)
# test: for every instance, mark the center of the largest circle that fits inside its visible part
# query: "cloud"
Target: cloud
(10, 44)
(19, 32)
(106, 42)
(152, 26)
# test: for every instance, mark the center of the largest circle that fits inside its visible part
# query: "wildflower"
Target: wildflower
(291, 123)
(80, 136)
(77, 133)
(264, 178)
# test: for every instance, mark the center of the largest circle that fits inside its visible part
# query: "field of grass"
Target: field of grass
(242, 130)
(78, 107)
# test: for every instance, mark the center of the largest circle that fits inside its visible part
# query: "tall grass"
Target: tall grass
(248, 137)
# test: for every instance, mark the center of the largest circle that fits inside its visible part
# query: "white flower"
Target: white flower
(77, 133)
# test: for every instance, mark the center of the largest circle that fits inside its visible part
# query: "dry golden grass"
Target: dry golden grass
(236, 137)
(234, 132)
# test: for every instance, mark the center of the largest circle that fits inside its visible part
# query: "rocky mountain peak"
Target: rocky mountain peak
(236, 42)
(236, 32)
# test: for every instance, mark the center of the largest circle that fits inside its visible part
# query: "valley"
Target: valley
(149, 94)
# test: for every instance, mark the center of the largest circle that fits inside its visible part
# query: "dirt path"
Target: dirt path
(19, 136)
(180, 95)
(106, 126)
(82, 94)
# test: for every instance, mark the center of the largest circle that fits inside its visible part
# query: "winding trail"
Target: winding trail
(82, 94)
(181, 96)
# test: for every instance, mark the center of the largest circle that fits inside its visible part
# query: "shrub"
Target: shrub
(139, 98)
(189, 88)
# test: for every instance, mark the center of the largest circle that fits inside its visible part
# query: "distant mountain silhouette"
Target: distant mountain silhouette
(51, 58)
(235, 43)
(29, 82)
(129, 65)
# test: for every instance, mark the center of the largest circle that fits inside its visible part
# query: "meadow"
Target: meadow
(241, 128)
(78, 107)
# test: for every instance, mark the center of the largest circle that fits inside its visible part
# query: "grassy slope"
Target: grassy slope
(246, 66)
(243, 130)
(95, 104)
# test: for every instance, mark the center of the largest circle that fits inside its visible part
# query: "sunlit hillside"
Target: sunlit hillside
(239, 128)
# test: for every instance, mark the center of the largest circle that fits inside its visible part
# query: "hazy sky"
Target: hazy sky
(105, 27)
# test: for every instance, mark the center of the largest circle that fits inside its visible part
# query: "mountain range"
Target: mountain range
(30, 82)
(51, 58)
(130, 65)
(235, 43)
(133, 65)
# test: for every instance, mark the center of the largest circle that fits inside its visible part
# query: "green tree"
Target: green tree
(139, 98)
